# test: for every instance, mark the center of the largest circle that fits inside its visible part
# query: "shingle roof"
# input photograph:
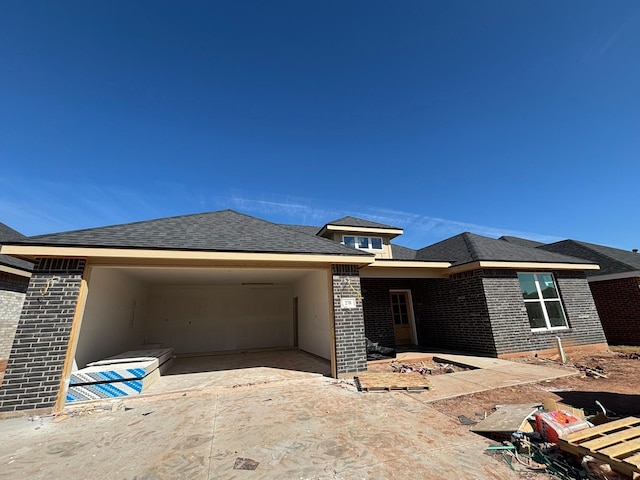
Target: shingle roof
(398, 252)
(224, 230)
(359, 222)
(611, 260)
(469, 247)
(309, 230)
(8, 234)
(523, 242)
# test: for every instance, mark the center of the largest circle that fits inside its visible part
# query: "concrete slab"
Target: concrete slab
(485, 373)
(233, 370)
(312, 428)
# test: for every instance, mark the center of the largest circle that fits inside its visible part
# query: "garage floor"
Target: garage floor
(233, 370)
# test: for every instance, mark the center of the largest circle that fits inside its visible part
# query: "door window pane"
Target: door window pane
(528, 285)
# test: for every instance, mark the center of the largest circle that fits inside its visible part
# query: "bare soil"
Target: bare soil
(619, 392)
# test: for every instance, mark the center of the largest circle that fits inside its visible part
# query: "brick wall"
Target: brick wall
(378, 324)
(510, 323)
(509, 319)
(42, 337)
(452, 313)
(351, 355)
(618, 304)
(481, 311)
(12, 293)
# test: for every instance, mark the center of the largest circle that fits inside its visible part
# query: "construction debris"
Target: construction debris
(630, 356)
(508, 419)
(377, 352)
(565, 444)
(433, 368)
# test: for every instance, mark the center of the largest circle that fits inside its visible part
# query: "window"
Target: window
(542, 301)
(362, 243)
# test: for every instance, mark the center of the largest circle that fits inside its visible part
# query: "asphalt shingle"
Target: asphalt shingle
(398, 252)
(523, 242)
(611, 260)
(8, 234)
(469, 247)
(224, 231)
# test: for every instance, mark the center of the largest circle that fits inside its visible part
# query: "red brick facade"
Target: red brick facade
(618, 304)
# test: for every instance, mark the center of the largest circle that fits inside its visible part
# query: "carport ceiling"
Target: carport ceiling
(214, 276)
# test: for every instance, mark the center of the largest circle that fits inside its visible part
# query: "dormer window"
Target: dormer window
(362, 243)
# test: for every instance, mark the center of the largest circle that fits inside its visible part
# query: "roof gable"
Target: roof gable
(224, 230)
(469, 247)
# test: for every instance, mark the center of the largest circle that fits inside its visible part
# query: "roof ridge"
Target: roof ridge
(471, 247)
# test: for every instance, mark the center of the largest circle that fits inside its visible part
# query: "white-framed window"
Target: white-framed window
(362, 243)
(542, 300)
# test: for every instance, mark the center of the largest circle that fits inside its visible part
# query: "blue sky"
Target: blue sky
(496, 117)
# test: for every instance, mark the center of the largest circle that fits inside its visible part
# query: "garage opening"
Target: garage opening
(220, 323)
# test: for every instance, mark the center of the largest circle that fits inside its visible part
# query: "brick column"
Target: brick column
(37, 357)
(351, 354)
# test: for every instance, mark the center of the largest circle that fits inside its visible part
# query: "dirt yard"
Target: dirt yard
(612, 378)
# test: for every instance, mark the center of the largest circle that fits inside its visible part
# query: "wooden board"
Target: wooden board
(508, 419)
(372, 382)
(616, 443)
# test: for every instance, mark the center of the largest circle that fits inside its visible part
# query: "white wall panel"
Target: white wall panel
(200, 318)
(114, 316)
(314, 327)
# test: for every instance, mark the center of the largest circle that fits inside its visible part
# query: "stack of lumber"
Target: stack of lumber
(128, 373)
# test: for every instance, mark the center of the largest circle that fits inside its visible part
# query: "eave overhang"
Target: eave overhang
(30, 252)
(522, 266)
(15, 271)
(392, 232)
(408, 264)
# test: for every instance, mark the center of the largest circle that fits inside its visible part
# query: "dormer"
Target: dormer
(362, 234)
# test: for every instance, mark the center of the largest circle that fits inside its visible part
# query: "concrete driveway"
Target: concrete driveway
(315, 427)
